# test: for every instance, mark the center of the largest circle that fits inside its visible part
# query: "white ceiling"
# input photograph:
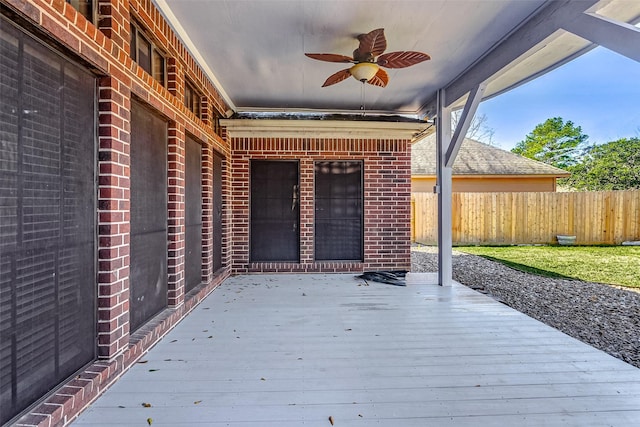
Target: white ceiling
(253, 50)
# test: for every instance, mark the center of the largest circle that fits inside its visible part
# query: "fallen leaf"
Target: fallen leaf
(149, 421)
(143, 361)
(263, 379)
(146, 405)
(210, 336)
(120, 406)
(173, 341)
(197, 402)
(331, 420)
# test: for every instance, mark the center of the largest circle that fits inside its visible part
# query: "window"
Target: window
(47, 227)
(192, 98)
(148, 258)
(85, 7)
(192, 214)
(339, 211)
(215, 122)
(145, 53)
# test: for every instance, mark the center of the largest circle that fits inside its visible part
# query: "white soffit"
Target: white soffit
(348, 129)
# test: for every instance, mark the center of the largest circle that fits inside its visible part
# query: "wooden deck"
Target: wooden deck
(293, 350)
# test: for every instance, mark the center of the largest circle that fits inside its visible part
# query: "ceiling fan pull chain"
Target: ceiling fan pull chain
(362, 99)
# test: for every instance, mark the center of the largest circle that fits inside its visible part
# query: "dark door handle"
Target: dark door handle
(294, 202)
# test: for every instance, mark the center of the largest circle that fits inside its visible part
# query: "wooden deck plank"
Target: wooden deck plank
(291, 350)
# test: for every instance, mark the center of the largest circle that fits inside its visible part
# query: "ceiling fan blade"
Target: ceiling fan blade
(372, 44)
(329, 57)
(380, 79)
(401, 59)
(337, 77)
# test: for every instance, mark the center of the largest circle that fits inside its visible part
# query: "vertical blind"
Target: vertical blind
(47, 227)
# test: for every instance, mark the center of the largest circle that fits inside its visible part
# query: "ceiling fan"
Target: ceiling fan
(367, 67)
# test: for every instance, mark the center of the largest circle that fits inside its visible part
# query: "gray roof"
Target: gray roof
(477, 158)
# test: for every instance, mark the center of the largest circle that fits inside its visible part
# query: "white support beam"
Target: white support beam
(464, 123)
(614, 35)
(444, 188)
(541, 25)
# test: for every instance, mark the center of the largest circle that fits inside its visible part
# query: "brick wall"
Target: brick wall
(387, 198)
(104, 48)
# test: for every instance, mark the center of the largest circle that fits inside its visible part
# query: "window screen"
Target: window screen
(217, 211)
(338, 206)
(47, 232)
(148, 268)
(193, 214)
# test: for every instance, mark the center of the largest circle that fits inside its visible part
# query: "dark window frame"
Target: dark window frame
(157, 59)
(193, 98)
(86, 8)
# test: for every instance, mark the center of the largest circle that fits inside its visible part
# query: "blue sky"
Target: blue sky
(599, 91)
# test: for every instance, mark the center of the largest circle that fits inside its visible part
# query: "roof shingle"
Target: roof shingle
(477, 158)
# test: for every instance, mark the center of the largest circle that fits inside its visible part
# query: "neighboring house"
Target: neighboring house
(481, 167)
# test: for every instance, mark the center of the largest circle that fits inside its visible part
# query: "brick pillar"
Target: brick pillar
(176, 216)
(239, 205)
(114, 21)
(175, 78)
(205, 110)
(307, 213)
(113, 217)
(227, 236)
(207, 213)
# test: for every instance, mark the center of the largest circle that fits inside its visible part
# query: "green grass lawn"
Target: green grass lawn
(616, 265)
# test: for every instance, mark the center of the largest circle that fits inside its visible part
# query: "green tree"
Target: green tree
(611, 166)
(553, 142)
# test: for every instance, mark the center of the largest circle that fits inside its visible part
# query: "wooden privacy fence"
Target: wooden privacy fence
(603, 217)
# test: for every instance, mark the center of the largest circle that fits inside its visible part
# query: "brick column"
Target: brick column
(113, 217)
(175, 78)
(207, 213)
(176, 215)
(307, 213)
(114, 21)
(205, 110)
(239, 205)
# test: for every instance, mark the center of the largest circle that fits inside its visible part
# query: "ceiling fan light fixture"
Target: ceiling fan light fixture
(364, 71)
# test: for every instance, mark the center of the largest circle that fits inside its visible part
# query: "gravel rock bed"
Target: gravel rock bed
(604, 316)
